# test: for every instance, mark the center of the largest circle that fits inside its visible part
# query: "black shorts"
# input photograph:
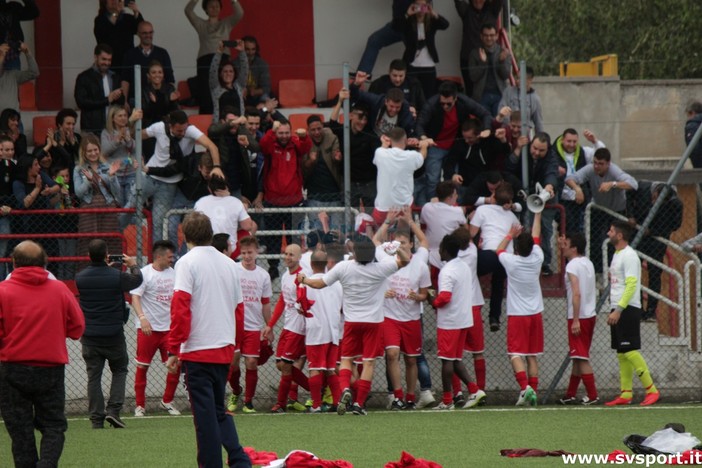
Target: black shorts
(626, 334)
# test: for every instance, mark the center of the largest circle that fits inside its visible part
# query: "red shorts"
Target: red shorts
(362, 339)
(580, 345)
(239, 323)
(450, 343)
(147, 345)
(525, 335)
(250, 343)
(379, 216)
(404, 335)
(291, 346)
(475, 339)
(322, 357)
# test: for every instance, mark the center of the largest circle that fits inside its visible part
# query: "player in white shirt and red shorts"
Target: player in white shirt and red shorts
(322, 311)
(581, 293)
(453, 317)
(291, 343)
(152, 303)
(525, 305)
(405, 293)
(256, 289)
(362, 280)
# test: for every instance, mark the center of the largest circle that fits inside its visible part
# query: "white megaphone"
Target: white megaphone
(536, 202)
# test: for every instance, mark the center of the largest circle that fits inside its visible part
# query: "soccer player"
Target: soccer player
(322, 334)
(362, 280)
(405, 292)
(152, 303)
(256, 289)
(291, 344)
(581, 295)
(452, 319)
(625, 316)
(525, 304)
(203, 332)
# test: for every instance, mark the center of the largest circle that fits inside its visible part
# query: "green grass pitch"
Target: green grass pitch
(454, 439)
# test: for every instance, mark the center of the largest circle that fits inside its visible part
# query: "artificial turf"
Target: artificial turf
(470, 438)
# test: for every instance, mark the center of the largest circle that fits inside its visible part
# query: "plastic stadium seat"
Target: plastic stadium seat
(456, 79)
(27, 97)
(300, 120)
(296, 93)
(333, 87)
(40, 125)
(201, 121)
(185, 95)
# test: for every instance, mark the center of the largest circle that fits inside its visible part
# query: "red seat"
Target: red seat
(184, 91)
(296, 93)
(40, 125)
(333, 87)
(28, 96)
(201, 121)
(300, 120)
(456, 79)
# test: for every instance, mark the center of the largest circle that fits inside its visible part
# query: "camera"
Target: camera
(233, 43)
(115, 258)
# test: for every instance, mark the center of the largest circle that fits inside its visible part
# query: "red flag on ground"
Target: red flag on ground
(408, 461)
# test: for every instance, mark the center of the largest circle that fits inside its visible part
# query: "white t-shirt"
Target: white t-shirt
(583, 269)
(494, 223)
(156, 292)
(625, 263)
(363, 291)
(523, 287)
(162, 155)
(395, 176)
(470, 256)
(413, 276)
(213, 282)
(225, 213)
(323, 326)
(255, 286)
(439, 220)
(293, 321)
(306, 262)
(455, 277)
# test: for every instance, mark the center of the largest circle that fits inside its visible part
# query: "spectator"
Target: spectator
(65, 151)
(97, 186)
(38, 315)
(608, 185)
(386, 111)
(8, 169)
(441, 121)
(258, 81)
(67, 223)
(419, 26)
(10, 79)
(489, 67)
(568, 152)
(145, 54)
(386, 36)
(11, 14)
(397, 78)
(11, 125)
(96, 89)
(482, 190)
(196, 176)
(228, 83)
(101, 290)
(510, 98)
(667, 219)
(159, 96)
(694, 118)
(119, 148)
(116, 28)
(210, 32)
(474, 14)
(323, 170)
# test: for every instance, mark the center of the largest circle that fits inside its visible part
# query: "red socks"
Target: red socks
(172, 381)
(521, 379)
(233, 378)
(140, 385)
(534, 383)
(344, 379)
(283, 389)
(479, 366)
(316, 389)
(589, 382)
(456, 384)
(364, 387)
(472, 388)
(447, 398)
(333, 382)
(399, 394)
(573, 386)
(251, 382)
(300, 378)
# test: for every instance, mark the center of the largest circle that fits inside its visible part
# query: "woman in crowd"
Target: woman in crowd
(419, 28)
(211, 32)
(116, 27)
(97, 186)
(228, 83)
(10, 124)
(158, 100)
(118, 147)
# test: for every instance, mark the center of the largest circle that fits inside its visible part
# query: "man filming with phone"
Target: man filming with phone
(101, 288)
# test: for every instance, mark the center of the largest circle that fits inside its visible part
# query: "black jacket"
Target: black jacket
(91, 99)
(470, 160)
(431, 119)
(101, 290)
(376, 102)
(544, 171)
(408, 27)
(691, 127)
(411, 87)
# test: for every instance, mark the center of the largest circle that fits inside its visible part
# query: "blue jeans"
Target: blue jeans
(179, 202)
(432, 168)
(4, 229)
(163, 194)
(125, 183)
(383, 37)
(214, 428)
(336, 218)
(490, 100)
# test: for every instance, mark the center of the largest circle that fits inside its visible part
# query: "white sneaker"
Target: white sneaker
(139, 411)
(391, 398)
(474, 399)
(525, 396)
(170, 408)
(443, 407)
(425, 399)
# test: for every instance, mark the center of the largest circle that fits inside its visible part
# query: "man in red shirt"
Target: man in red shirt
(283, 155)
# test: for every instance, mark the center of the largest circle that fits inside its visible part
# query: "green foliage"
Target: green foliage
(654, 39)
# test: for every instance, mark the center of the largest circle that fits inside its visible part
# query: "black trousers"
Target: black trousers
(488, 262)
(34, 398)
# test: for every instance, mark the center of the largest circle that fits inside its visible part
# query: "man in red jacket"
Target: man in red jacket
(36, 316)
(283, 154)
